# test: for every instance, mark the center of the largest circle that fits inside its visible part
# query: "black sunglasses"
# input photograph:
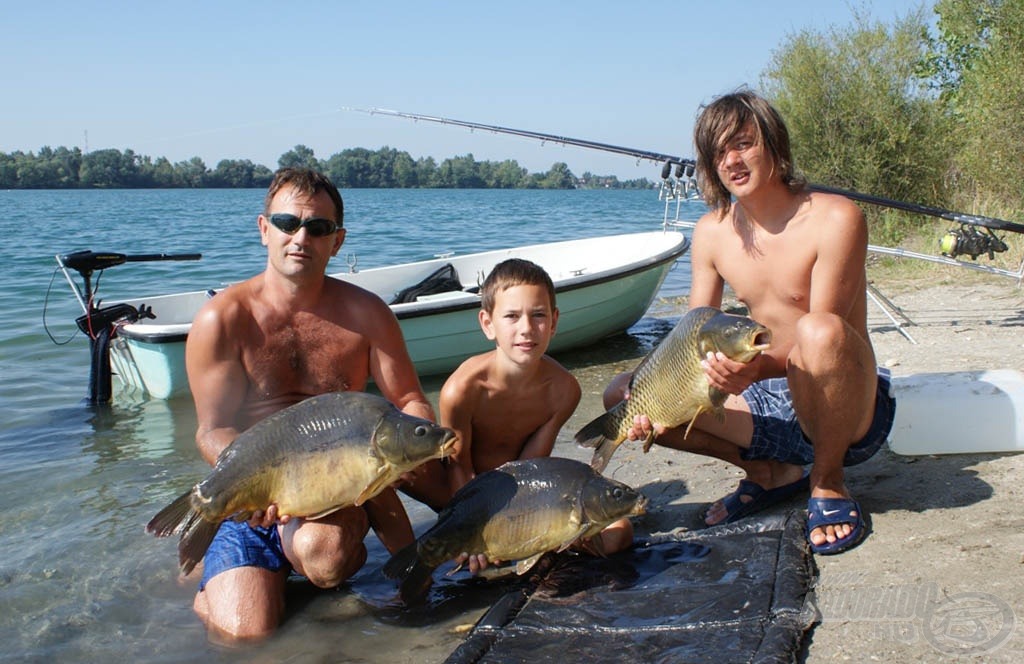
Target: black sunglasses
(315, 226)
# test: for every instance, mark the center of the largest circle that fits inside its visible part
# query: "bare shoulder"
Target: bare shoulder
(836, 209)
(467, 379)
(226, 310)
(562, 385)
(340, 290)
(713, 221)
(558, 374)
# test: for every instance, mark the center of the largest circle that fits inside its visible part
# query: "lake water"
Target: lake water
(79, 579)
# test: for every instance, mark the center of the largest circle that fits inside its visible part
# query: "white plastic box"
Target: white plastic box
(957, 413)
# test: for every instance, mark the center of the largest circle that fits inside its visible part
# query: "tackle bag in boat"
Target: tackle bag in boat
(442, 280)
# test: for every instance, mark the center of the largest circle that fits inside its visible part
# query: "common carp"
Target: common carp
(518, 511)
(330, 451)
(669, 385)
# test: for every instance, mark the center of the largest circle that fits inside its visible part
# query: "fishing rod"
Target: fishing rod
(685, 168)
(669, 160)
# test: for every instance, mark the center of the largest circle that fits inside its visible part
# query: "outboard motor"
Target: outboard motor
(100, 323)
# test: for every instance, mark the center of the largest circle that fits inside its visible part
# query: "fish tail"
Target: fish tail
(172, 519)
(415, 575)
(195, 540)
(597, 431)
(603, 454)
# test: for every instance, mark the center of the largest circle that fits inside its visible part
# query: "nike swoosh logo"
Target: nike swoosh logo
(829, 512)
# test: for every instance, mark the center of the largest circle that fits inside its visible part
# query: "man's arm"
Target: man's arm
(389, 520)
(390, 366)
(217, 380)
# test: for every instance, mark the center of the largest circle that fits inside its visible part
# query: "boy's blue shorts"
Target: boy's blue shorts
(778, 436)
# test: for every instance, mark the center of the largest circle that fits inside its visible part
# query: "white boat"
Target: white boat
(603, 286)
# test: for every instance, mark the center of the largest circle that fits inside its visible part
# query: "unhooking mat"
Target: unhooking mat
(735, 593)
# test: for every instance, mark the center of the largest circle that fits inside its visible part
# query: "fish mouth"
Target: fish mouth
(641, 506)
(762, 340)
(448, 446)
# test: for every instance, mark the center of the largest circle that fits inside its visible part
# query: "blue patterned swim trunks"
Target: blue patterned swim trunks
(778, 436)
(239, 545)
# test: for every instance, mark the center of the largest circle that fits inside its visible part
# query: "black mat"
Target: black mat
(735, 593)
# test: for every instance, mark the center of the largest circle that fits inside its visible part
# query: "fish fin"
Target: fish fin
(195, 540)
(648, 441)
(415, 575)
(402, 562)
(377, 485)
(172, 519)
(524, 565)
(329, 510)
(603, 454)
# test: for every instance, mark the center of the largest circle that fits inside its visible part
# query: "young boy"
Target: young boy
(510, 403)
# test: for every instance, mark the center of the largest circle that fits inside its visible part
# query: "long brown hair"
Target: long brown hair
(719, 122)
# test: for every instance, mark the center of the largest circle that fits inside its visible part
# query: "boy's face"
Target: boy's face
(522, 322)
(742, 163)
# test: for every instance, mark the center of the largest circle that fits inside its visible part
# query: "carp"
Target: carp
(518, 511)
(327, 452)
(669, 384)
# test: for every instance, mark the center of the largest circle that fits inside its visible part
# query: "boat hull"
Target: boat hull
(603, 286)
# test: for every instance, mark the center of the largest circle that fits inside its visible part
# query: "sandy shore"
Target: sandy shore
(940, 576)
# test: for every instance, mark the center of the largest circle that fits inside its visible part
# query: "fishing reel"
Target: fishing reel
(972, 241)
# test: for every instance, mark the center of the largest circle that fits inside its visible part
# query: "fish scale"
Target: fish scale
(517, 511)
(323, 454)
(669, 384)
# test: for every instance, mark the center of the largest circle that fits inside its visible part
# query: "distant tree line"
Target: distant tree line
(64, 168)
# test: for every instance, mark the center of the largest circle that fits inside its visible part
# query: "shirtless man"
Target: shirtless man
(282, 336)
(511, 402)
(796, 260)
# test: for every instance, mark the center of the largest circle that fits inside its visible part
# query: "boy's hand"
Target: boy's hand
(642, 428)
(728, 375)
(477, 562)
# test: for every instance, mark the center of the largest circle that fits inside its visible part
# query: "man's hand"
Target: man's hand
(268, 518)
(728, 375)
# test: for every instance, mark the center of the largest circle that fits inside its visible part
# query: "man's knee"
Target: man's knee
(330, 553)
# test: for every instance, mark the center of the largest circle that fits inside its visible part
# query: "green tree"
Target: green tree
(978, 60)
(859, 115)
(558, 177)
(298, 157)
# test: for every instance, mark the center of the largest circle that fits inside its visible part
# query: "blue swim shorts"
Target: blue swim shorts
(237, 544)
(778, 436)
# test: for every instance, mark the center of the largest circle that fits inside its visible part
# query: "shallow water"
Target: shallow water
(79, 579)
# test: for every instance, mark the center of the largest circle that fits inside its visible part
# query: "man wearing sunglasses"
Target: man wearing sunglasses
(282, 336)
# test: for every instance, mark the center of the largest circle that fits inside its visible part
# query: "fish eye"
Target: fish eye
(617, 492)
(420, 430)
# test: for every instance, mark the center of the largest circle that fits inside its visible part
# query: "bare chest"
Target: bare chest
(769, 270)
(305, 357)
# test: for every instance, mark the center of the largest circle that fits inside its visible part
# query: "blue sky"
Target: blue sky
(250, 80)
